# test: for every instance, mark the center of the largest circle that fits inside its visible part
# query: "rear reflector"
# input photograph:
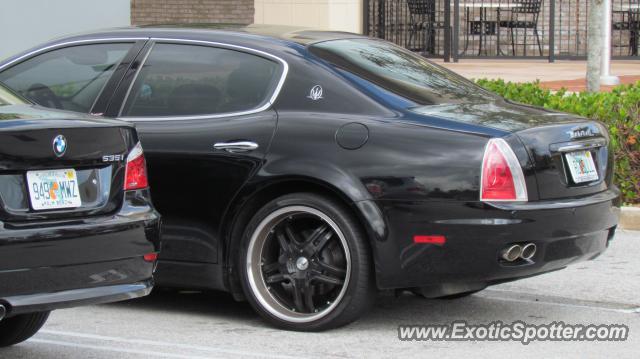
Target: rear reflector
(135, 175)
(439, 240)
(502, 178)
(150, 257)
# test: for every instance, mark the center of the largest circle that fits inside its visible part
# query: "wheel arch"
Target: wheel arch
(254, 196)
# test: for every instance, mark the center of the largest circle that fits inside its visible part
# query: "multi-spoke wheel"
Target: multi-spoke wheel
(305, 263)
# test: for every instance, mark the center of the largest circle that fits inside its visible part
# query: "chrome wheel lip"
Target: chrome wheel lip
(253, 265)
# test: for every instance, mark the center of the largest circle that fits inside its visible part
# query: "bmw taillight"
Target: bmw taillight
(135, 175)
(502, 178)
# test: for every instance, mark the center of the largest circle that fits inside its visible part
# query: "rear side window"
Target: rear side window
(70, 78)
(187, 80)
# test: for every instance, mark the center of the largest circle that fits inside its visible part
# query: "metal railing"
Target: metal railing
(421, 26)
(553, 29)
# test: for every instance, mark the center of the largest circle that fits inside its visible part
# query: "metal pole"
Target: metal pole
(447, 31)
(456, 29)
(552, 31)
(381, 19)
(365, 18)
(605, 68)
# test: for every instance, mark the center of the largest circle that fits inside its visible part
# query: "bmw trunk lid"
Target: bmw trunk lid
(37, 145)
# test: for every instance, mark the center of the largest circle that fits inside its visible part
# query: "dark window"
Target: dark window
(69, 79)
(400, 71)
(184, 80)
(9, 98)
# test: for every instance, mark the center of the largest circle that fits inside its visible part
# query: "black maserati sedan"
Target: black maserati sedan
(76, 222)
(304, 170)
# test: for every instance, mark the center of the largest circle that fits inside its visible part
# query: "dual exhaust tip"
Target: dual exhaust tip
(515, 251)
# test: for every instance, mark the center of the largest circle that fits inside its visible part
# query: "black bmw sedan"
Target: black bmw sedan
(76, 222)
(304, 170)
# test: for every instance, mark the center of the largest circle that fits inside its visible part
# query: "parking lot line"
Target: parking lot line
(114, 349)
(519, 297)
(162, 344)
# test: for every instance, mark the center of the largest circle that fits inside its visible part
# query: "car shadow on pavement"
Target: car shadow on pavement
(206, 303)
(389, 310)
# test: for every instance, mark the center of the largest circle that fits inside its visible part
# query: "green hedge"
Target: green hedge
(619, 110)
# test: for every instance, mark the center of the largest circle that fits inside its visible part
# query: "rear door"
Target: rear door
(204, 119)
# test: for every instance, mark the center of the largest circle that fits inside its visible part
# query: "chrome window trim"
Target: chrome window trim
(69, 44)
(266, 106)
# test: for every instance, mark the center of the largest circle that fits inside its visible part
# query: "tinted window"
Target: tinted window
(400, 71)
(9, 98)
(182, 80)
(70, 78)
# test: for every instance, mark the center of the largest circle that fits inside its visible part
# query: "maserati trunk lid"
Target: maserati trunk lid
(570, 154)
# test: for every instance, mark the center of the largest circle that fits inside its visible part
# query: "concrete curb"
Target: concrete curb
(630, 218)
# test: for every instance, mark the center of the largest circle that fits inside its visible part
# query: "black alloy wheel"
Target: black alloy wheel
(302, 255)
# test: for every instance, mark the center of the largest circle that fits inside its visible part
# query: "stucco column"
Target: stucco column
(340, 15)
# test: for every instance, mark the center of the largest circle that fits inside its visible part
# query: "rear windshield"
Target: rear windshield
(400, 71)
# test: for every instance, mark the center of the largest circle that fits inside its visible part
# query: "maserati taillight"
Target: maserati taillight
(502, 178)
(135, 175)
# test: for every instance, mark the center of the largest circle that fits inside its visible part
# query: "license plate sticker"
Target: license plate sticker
(582, 166)
(53, 189)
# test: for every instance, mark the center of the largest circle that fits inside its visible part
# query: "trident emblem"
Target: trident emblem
(316, 93)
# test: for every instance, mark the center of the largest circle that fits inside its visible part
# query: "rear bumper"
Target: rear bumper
(75, 297)
(51, 265)
(564, 232)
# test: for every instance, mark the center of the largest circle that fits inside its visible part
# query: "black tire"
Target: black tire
(297, 213)
(17, 329)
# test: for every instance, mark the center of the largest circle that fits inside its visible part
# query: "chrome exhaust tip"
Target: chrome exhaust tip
(511, 253)
(3, 311)
(528, 251)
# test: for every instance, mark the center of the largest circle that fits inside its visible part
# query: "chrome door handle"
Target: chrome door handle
(236, 146)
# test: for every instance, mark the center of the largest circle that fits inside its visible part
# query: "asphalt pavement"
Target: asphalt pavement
(171, 324)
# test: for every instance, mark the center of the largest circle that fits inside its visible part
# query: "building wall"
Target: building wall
(144, 12)
(27, 23)
(342, 15)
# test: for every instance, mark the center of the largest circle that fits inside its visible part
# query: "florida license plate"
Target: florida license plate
(582, 166)
(53, 189)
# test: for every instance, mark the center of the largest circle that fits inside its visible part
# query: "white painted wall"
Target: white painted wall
(26, 23)
(341, 15)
